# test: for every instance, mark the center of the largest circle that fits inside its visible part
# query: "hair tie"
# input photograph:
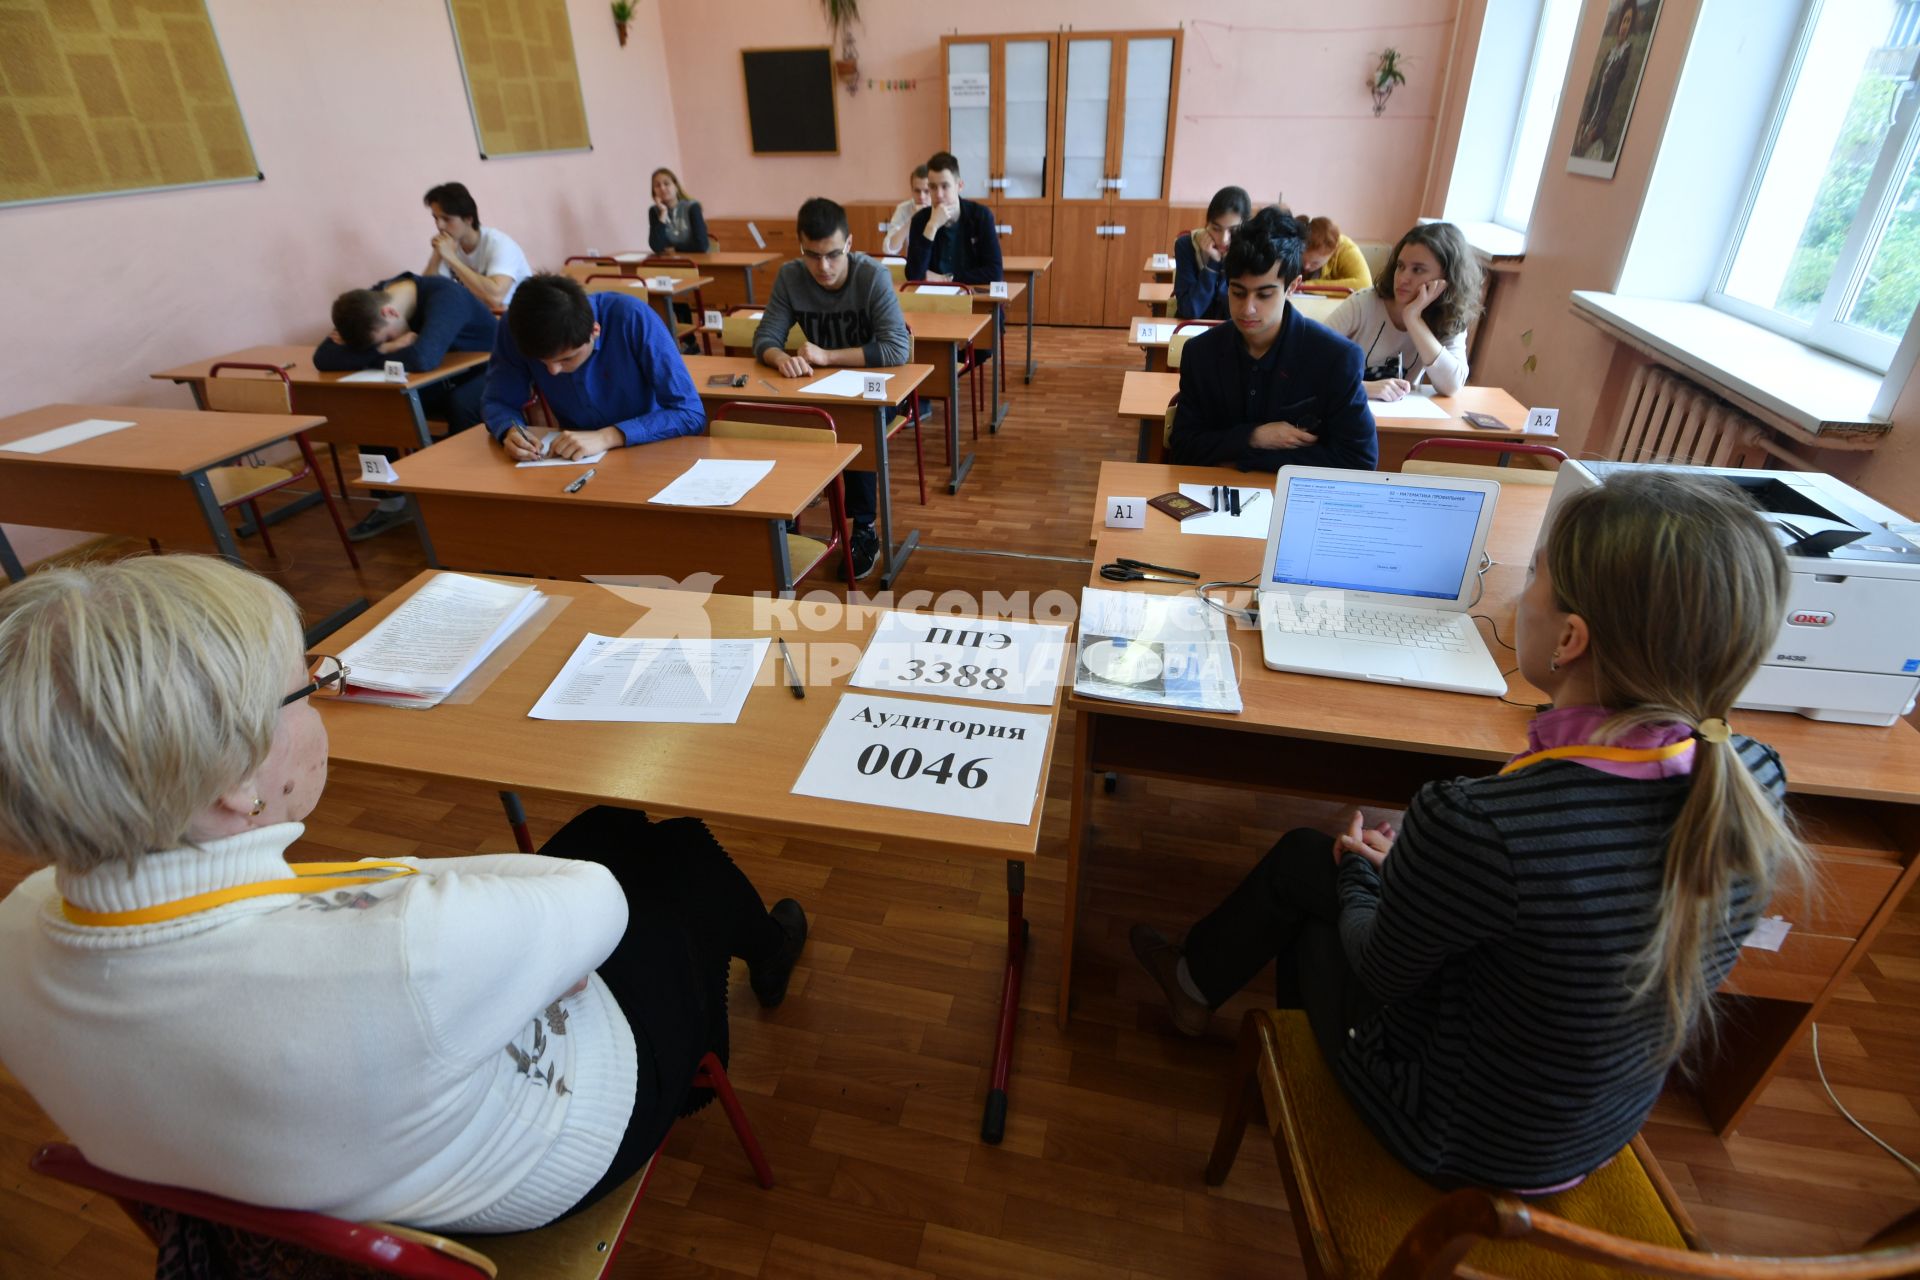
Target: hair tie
(1714, 730)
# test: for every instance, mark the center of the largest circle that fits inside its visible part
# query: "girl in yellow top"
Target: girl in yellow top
(1333, 261)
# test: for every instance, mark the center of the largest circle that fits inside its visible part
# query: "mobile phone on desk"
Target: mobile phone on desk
(1485, 421)
(727, 380)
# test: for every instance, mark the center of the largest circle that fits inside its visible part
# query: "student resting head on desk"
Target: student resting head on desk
(464, 1043)
(1270, 388)
(604, 363)
(415, 320)
(485, 259)
(1199, 285)
(1502, 985)
(952, 239)
(849, 316)
(1332, 260)
(1414, 319)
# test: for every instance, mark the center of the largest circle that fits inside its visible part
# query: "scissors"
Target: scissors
(1125, 570)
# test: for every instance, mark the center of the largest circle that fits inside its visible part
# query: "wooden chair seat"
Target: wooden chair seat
(1477, 471)
(738, 327)
(569, 1250)
(237, 484)
(1188, 330)
(803, 553)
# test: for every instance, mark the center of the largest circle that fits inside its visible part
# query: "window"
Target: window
(1827, 250)
(1539, 105)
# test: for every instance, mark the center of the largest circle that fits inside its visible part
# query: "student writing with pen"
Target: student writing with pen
(1416, 315)
(605, 364)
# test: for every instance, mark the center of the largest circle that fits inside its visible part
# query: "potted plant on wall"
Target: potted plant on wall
(1386, 78)
(841, 15)
(622, 15)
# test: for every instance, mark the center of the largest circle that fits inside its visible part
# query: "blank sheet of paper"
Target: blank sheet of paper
(72, 433)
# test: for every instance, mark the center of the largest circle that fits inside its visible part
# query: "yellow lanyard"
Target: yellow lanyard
(1595, 751)
(308, 877)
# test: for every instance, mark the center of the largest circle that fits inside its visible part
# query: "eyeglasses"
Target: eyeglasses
(831, 255)
(328, 674)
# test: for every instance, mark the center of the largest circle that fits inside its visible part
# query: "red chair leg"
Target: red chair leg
(842, 530)
(920, 453)
(517, 819)
(333, 509)
(260, 527)
(333, 451)
(712, 1075)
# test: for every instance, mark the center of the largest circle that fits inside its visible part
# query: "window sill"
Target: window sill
(1803, 391)
(1498, 248)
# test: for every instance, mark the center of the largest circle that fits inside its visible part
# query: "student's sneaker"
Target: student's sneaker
(378, 522)
(866, 550)
(769, 980)
(1162, 959)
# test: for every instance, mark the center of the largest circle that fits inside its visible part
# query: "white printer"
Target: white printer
(1849, 645)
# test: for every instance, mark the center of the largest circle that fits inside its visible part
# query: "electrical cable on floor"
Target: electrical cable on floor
(1884, 1146)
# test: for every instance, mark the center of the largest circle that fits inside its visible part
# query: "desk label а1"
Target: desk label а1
(929, 757)
(1126, 513)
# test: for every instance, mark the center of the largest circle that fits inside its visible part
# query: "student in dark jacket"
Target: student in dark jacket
(1271, 388)
(952, 239)
(674, 221)
(416, 320)
(1200, 256)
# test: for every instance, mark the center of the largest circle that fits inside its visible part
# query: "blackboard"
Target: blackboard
(790, 106)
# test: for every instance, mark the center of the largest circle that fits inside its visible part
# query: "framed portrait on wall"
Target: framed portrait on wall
(1607, 105)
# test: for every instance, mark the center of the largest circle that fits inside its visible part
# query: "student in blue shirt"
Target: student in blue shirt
(605, 363)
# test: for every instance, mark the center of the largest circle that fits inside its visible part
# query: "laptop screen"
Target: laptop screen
(1355, 535)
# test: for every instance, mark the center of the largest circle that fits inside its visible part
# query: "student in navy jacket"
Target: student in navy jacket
(1200, 256)
(952, 239)
(1271, 388)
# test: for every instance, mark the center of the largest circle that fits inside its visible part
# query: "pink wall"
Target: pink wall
(1271, 98)
(354, 109)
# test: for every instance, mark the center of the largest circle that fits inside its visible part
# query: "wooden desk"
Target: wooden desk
(675, 769)
(148, 480)
(1157, 297)
(983, 303)
(937, 339)
(1159, 273)
(1032, 266)
(484, 513)
(662, 297)
(1144, 398)
(860, 422)
(1142, 334)
(732, 273)
(1855, 790)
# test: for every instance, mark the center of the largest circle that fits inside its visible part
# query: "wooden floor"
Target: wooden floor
(866, 1085)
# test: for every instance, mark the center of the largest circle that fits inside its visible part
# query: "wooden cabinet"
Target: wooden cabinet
(1000, 114)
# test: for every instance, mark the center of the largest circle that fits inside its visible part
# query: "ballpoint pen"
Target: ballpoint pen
(793, 676)
(581, 483)
(769, 386)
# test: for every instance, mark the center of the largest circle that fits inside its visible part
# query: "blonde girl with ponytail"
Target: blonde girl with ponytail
(1502, 984)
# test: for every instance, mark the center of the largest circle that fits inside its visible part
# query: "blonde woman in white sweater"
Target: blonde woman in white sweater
(478, 1043)
(1414, 320)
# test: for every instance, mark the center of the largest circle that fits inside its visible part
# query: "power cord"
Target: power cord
(1247, 616)
(1822, 1071)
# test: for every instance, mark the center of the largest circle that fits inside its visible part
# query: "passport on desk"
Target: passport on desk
(1178, 505)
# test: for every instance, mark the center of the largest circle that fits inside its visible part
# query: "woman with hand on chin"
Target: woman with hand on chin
(1414, 320)
(674, 223)
(1501, 985)
(1199, 282)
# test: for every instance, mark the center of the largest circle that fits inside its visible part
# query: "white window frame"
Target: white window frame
(1826, 332)
(1520, 116)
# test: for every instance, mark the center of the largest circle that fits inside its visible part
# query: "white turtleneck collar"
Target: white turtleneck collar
(251, 856)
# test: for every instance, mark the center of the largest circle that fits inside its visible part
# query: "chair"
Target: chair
(291, 1242)
(1475, 471)
(1187, 330)
(913, 299)
(245, 484)
(739, 325)
(605, 280)
(1359, 1212)
(751, 420)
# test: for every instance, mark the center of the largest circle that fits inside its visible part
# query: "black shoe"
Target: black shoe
(866, 550)
(769, 980)
(378, 522)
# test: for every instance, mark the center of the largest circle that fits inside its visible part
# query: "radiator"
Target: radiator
(1665, 418)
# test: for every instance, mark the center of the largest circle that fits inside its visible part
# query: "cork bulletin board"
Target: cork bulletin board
(523, 85)
(100, 96)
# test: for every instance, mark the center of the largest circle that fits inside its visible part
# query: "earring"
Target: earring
(258, 806)
(1553, 663)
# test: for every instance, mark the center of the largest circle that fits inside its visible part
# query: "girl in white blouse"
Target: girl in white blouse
(1414, 320)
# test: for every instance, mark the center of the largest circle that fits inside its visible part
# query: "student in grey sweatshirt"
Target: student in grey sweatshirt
(849, 315)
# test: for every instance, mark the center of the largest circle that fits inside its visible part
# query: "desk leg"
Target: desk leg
(894, 558)
(782, 559)
(1077, 827)
(998, 375)
(961, 464)
(748, 272)
(216, 518)
(1032, 279)
(993, 1125)
(425, 436)
(1140, 449)
(9, 561)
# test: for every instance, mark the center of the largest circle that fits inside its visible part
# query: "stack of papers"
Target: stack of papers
(666, 680)
(1164, 651)
(423, 650)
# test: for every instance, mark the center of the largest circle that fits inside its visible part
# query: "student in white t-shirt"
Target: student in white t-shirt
(485, 259)
(902, 220)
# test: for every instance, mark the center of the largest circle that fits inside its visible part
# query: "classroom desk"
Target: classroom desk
(1157, 297)
(937, 340)
(675, 769)
(860, 422)
(662, 298)
(1144, 398)
(1158, 272)
(1032, 266)
(485, 513)
(727, 270)
(983, 302)
(1854, 790)
(148, 480)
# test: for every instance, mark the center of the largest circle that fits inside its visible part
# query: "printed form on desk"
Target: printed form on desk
(1159, 650)
(439, 636)
(713, 482)
(655, 680)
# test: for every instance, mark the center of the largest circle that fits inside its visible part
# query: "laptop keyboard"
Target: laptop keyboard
(1414, 629)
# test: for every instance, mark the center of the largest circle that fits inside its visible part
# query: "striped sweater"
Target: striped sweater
(1499, 938)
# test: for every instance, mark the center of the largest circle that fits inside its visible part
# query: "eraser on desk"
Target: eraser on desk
(1178, 505)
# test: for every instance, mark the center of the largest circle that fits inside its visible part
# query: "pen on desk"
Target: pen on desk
(581, 483)
(769, 386)
(1233, 500)
(793, 676)
(1255, 497)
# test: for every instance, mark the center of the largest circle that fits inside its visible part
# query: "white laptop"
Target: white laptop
(1369, 576)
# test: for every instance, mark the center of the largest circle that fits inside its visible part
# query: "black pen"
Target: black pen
(581, 483)
(1233, 500)
(793, 677)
